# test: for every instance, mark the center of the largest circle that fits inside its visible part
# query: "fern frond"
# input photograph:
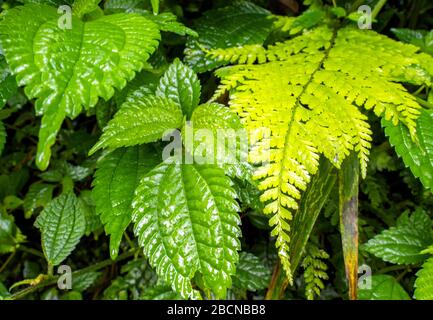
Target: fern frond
(310, 94)
(187, 223)
(314, 270)
(93, 57)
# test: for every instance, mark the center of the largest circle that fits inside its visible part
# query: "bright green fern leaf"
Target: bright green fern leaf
(180, 84)
(94, 58)
(62, 224)
(314, 271)
(116, 179)
(140, 120)
(424, 281)
(417, 156)
(186, 221)
(310, 95)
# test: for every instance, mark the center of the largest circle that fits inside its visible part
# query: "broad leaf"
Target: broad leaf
(94, 58)
(8, 85)
(419, 38)
(81, 7)
(180, 84)
(383, 287)
(115, 181)
(251, 274)
(424, 281)
(88, 206)
(140, 120)
(62, 224)
(403, 243)
(418, 157)
(186, 221)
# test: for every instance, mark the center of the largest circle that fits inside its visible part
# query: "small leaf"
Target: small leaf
(139, 121)
(83, 281)
(88, 206)
(180, 84)
(402, 244)
(419, 158)
(383, 287)
(251, 274)
(115, 181)
(186, 221)
(10, 235)
(39, 195)
(62, 224)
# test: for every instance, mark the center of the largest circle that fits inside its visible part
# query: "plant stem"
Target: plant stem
(31, 251)
(377, 8)
(100, 265)
(424, 103)
(9, 259)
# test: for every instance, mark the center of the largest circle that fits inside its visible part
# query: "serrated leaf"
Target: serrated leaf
(419, 158)
(116, 179)
(140, 120)
(251, 274)
(402, 244)
(219, 138)
(186, 221)
(10, 235)
(424, 281)
(39, 195)
(82, 7)
(8, 85)
(306, 20)
(420, 38)
(94, 56)
(242, 23)
(180, 84)
(88, 206)
(62, 224)
(383, 287)
(167, 21)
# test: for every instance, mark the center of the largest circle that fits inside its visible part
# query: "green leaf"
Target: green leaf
(140, 120)
(307, 20)
(10, 235)
(39, 195)
(224, 139)
(82, 7)
(403, 244)
(167, 21)
(2, 136)
(420, 38)
(180, 84)
(251, 274)
(383, 287)
(62, 224)
(419, 158)
(242, 23)
(89, 210)
(160, 292)
(186, 221)
(8, 85)
(115, 181)
(155, 6)
(424, 281)
(95, 57)
(83, 281)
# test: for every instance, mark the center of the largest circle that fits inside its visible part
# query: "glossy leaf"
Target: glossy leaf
(62, 224)
(403, 243)
(10, 235)
(418, 157)
(8, 85)
(424, 281)
(95, 57)
(84, 281)
(383, 287)
(419, 38)
(116, 179)
(81, 7)
(180, 84)
(140, 120)
(251, 274)
(39, 195)
(186, 221)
